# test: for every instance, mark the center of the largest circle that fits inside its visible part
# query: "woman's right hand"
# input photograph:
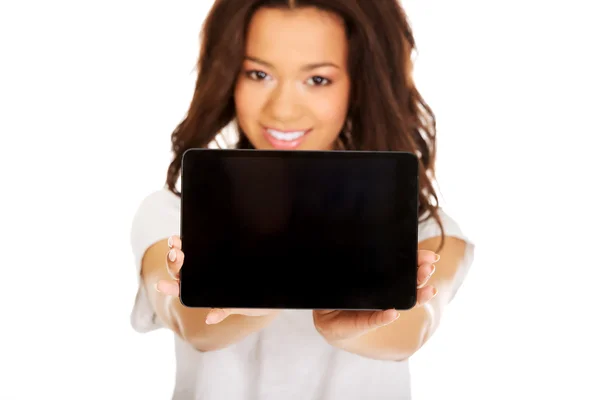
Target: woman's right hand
(175, 259)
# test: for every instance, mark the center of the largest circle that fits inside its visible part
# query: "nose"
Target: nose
(284, 104)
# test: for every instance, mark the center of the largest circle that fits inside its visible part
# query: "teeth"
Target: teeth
(288, 136)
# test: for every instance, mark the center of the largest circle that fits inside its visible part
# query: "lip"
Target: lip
(285, 144)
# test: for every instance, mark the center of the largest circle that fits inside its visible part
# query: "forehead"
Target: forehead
(300, 35)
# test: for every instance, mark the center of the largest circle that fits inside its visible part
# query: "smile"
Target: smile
(285, 139)
(287, 136)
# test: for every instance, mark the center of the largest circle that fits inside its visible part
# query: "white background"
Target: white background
(90, 92)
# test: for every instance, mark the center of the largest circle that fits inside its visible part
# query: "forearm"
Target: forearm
(405, 336)
(190, 323)
(191, 326)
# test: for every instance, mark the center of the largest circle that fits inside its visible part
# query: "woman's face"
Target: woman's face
(293, 89)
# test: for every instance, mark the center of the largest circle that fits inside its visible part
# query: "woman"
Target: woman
(303, 74)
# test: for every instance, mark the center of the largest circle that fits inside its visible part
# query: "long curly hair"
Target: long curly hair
(386, 110)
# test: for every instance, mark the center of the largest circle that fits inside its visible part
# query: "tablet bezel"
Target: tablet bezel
(403, 159)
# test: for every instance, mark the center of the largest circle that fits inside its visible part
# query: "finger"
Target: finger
(174, 262)
(427, 257)
(426, 294)
(217, 315)
(424, 274)
(168, 288)
(174, 242)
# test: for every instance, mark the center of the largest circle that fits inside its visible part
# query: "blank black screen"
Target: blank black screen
(299, 230)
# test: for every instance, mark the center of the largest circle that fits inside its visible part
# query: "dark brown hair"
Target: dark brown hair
(386, 110)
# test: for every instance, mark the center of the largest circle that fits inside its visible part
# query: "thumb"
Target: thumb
(365, 321)
(217, 315)
(343, 325)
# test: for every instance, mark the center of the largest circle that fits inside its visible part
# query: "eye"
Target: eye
(318, 81)
(257, 75)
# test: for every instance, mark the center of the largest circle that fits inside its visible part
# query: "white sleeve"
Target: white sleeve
(430, 228)
(156, 219)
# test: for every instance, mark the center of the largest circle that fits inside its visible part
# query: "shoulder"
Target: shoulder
(429, 227)
(156, 217)
(159, 200)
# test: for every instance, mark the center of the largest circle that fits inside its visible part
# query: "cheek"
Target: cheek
(248, 102)
(331, 109)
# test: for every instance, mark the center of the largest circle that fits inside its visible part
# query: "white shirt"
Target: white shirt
(288, 359)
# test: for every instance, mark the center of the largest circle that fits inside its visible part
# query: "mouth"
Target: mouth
(289, 139)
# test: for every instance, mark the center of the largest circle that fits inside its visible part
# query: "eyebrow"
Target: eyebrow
(306, 67)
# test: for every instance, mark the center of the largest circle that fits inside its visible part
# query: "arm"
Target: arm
(189, 323)
(403, 337)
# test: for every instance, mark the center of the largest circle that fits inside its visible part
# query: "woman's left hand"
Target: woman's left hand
(336, 325)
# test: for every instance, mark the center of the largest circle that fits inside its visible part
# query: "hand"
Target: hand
(170, 287)
(337, 325)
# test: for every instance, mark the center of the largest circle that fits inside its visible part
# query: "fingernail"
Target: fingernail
(435, 292)
(172, 255)
(156, 287)
(437, 258)
(170, 241)
(211, 319)
(421, 285)
(432, 271)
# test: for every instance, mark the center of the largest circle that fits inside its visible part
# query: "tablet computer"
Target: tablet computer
(299, 229)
